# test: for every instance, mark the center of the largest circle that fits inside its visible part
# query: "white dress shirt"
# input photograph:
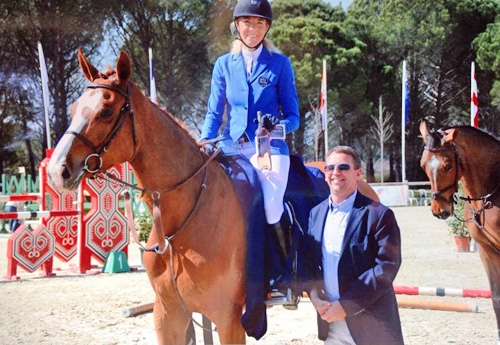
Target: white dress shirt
(251, 58)
(333, 237)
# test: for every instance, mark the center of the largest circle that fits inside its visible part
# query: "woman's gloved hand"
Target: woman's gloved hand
(268, 121)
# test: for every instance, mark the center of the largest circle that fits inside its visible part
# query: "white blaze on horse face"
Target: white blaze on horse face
(433, 164)
(88, 103)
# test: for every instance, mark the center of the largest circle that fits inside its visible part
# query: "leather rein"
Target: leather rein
(475, 214)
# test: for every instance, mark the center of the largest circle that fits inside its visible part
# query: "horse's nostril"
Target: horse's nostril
(444, 215)
(65, 173)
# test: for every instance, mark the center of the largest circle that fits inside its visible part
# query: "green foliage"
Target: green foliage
(456, 226)
(487, 45)
(363, 47)
(144, 224)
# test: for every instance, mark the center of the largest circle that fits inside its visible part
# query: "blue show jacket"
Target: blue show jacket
(269, 89)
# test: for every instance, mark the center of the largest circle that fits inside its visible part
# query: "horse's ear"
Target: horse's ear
(424, 130)
(89, 71)
(123, 68)
(449, 136)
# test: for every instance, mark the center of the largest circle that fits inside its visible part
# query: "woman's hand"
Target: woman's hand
(268, 121)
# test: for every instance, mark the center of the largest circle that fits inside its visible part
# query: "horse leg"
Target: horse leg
(491, 263)
(230, 329)
(170, 324)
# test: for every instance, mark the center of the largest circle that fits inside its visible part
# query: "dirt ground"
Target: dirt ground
(87, 309)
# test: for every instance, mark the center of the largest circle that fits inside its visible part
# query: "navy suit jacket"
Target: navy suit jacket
(370, 259)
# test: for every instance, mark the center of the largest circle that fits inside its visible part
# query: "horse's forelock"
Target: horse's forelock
(434, 140)
(108, 74)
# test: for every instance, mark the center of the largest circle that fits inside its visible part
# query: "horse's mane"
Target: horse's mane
(177, 121)
(111, 74)
(476, 133)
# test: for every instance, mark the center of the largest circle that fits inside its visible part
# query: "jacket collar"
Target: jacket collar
(262, 62)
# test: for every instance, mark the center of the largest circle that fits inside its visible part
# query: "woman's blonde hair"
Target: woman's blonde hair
(236, 45)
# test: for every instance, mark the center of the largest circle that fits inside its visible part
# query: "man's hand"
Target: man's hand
(334, 313)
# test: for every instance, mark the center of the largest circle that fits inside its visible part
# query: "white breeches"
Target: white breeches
(273, 183)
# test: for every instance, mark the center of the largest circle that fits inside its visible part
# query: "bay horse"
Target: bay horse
(471, 156)
(201, 268)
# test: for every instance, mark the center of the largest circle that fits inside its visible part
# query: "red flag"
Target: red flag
(322, 98)
(474, 104)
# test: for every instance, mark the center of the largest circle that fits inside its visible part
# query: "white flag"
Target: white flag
(152, 92)
(45, 92)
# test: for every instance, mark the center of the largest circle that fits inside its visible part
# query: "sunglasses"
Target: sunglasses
(341, 167)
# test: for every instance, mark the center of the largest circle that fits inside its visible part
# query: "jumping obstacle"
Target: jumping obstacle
(20, 197)
(66, 230)
(430, 291)
(139, 309)
(414, 303)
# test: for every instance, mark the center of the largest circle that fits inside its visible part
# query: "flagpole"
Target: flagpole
(45, 92)
(325, 119)
(403, 123)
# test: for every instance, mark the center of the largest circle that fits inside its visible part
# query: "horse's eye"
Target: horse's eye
(448, 167)
(106, 113)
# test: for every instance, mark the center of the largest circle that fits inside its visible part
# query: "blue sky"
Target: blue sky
(345, 3)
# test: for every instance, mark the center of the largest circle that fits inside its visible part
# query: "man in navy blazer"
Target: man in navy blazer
(349, 259)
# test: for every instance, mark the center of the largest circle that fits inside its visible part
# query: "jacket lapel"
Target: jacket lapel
(262, 63)
(357, 212)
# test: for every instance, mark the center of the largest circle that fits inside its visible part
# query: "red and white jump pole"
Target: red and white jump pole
(38, 214)
(438, 291)
(20, 197)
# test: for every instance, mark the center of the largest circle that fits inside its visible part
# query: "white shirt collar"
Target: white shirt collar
(345, 205)
(254, 54)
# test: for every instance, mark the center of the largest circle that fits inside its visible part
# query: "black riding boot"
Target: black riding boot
(281, 282)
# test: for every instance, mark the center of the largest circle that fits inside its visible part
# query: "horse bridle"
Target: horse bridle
(437, 195)
(103, 146)
(475, 214)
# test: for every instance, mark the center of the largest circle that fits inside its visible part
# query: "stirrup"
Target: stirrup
(287, 300)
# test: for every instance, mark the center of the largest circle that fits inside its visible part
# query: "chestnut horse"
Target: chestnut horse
(201, 268)
(471, 156)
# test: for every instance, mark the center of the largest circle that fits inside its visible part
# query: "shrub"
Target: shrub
(456, 226)
(143, 224)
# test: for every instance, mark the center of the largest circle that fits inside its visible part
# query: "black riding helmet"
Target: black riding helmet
(252, 8)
